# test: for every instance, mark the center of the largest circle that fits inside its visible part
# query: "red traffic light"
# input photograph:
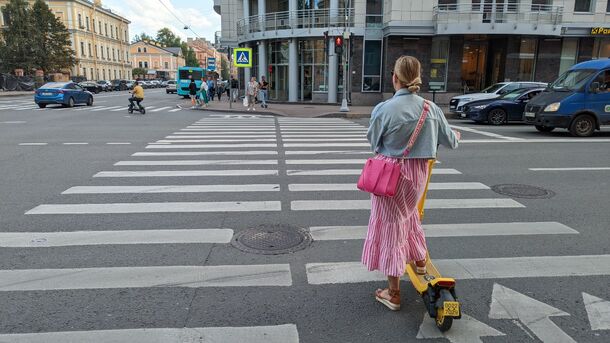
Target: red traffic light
(338, 41)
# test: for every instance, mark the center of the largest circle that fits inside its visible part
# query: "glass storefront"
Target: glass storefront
(527, 59)
(439, 57)
(473, 65)
(371, 75)
(569, 53)
(312, 68)
(601, 48)
(277, 58)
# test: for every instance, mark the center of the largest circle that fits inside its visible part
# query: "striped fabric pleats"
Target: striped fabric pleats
(395, 235)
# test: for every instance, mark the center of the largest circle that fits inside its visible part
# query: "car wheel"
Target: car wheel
(42, 105)
(543, 128)
(582, 126)
(70, 102)
(90, 101)
(166, 92)
(497, 116)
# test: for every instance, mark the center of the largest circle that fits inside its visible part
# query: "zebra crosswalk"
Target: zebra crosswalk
(25, 105)
(250, 171)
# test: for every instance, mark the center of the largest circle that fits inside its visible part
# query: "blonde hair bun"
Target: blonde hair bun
(408, 71)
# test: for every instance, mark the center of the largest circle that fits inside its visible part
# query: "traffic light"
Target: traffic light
(338, 45)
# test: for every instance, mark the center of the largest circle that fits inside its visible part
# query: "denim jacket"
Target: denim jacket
(394, 120)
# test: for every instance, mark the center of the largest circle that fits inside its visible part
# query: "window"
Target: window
(527, 54)
(93, 22)
(116, 30)
(439, 57)
(82, 49)
(583, 6)
(99, 22)
(608, 6)
(541, 5)
(126, 36)
(371, 74)
(140, 64)
(139, 49)
(569, 51)
(92, 76)
(80, 21)
(144, 49)
(102, 50)
(374, 14)
(145, 64)
(108, 54)
(104, 71)
(106, 30)
(601, 48)
(113, 55)
(85, 72)
(447, 5)
(89, 46)
(87, 23)
(166, 65)
(115, 74)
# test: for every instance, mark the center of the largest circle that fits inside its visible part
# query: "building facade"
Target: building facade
(100, 38)
(205, 49)
(462, 45)
(160, 62)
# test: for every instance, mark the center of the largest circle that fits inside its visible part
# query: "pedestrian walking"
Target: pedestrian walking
(234, 86)
(228, 89)
(220, 89)
(211, 88)
(193, 91)
(203, 93)
(263, 85)
(395, 236)
(251, 91)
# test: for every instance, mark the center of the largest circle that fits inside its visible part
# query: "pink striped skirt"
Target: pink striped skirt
(395, 235)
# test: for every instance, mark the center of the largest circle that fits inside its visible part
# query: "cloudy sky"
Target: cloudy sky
(150, 15)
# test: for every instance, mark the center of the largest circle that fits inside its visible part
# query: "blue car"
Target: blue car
(508, 107)
(66, 94)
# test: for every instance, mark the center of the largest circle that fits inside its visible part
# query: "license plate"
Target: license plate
(452, 107)
(451, 308)
(47, 94)
(530, 114)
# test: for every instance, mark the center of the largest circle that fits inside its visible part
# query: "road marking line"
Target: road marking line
(13, 122)
(104, 108)
(330, 233)
(321, 145)
(237, 128)
(118, 143)
(549, 140)
(173, 173)
(124, 108)
(289, 172)
(344, 135)
(172, 189)
(187, 140)
(286, 333)
(196, 162)
(33, 143)
(208, 146)
(329, 152)
(571, 169)
(206, 153)
(76, 143)
(361, 139)
(161, 109)
(62, 239)
(157, 207)
(485, 133)
(140, 277)
(175, 110)
(472, 269)
(313, 187)
(327, 161)
(345, 205)
(219, 136)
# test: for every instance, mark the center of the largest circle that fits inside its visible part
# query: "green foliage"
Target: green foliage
(224, 66)
(166, 37)
(190, 58)
(34, 39)
(141, 36)
(139, 71)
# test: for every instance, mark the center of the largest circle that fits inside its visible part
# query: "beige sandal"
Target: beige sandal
(393, 303)
(420, 270)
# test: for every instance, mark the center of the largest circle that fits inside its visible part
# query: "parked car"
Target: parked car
(457, 103)
(106, 85)
(164, 83)
(154, 83)
(119, 85)
(130, 84)
(507, 107)
(171, 87)
(579, 100)
(66, 94)
(91, 86)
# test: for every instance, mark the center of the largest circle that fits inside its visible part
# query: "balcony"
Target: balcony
(289, 23)
(217, 6)
(500, 18)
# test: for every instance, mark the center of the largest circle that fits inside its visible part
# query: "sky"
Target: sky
(149, 16)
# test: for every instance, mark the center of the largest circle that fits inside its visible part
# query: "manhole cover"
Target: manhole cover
(272, 240)
(523, 191)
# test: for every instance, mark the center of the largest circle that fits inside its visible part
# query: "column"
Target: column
(293, 60)
(246, 9)
(333, 72)
(246, 72)
(262, 59)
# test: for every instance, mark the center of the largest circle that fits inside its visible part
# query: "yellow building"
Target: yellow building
(100, 38)
(160, 62)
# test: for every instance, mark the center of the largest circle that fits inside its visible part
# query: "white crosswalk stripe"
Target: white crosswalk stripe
(248, 169)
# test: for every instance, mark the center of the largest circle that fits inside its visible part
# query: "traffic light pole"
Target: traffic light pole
(346, 35)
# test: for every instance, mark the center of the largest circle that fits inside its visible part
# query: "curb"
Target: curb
(6, 94)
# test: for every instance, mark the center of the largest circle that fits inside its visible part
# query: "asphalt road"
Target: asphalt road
(117, 228)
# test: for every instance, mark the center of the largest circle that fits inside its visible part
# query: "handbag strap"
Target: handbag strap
(420, 125)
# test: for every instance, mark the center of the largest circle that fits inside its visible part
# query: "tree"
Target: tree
(166, 37)
(51, 46)
(224, 68)
(139, 71)
(16, 47)
(190, 58)
(142, 36)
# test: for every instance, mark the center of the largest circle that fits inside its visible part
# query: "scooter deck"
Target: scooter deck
(420, 282)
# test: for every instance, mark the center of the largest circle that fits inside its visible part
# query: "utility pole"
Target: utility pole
(346, 35)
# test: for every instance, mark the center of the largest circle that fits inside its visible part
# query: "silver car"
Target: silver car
(171, 87)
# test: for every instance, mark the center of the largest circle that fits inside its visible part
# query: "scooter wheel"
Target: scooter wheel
(143, 111)
(443, 323)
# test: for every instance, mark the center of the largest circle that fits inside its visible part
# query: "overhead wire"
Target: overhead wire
(178, 18)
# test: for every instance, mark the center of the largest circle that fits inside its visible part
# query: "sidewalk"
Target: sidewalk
(291, 110)
(15, 93)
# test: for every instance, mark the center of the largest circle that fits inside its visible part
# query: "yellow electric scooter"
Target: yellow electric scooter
(437, 292)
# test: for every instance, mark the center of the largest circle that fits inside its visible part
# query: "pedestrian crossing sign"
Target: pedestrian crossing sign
(242, 57)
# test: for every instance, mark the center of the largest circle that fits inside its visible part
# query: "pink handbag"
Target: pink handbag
(381, 177)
